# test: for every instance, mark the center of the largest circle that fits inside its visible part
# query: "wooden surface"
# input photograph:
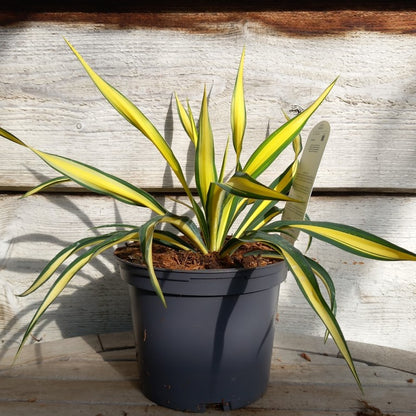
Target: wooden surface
(367, 177)
(48, 100)
(97, 375)
(218, 17)
(375, 299)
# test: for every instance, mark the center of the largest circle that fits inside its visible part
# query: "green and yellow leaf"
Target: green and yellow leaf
(146, 241)
(261, 208)
(349, 238)
(205, 170)
(243, 185)
(95, 179)
(297, 141)
(265, 218)
(238, 111)
(66, 276)
(11, 137)
(187, 121)
(133, 115)
(270, 148)
(57, 261)
(187, 227)
(101, 182)
(147, 233)
(171, 240)
(214, 212)
(325, 278)
(224, 161)
(305, 278)
(45, 185)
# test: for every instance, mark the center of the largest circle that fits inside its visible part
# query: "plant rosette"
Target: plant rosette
(228, 213)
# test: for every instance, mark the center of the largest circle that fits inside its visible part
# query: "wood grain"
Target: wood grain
(297, 23)
(47, 100)
(375, 302)
(367, 177)
(79, 373)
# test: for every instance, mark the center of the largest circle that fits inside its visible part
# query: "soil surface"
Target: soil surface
(168, 258)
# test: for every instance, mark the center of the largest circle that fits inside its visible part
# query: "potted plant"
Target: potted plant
(205, 336)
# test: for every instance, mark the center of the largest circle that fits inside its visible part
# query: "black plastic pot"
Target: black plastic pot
(212, 345)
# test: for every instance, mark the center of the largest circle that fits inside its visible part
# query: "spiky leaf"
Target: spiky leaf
(132, 114)
(187, 121)
(94, 179)
(57, 261)
(205, 170)
(305, 278)
(243, 185)
(69, 272)
(348, 238)
(238, 112)
(45, 185)
(270, 148)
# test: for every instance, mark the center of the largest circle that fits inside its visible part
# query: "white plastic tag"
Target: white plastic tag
(305, 176)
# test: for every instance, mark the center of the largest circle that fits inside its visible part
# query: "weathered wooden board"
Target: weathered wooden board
(376, 301)
(47, 100)
(298, 19)
(127, 391)
(84, 375)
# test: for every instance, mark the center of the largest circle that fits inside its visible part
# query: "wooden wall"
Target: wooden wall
(367, 177)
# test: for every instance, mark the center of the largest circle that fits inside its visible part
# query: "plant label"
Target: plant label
(305, 176)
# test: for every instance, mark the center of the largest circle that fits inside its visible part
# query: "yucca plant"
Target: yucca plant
(219, 205)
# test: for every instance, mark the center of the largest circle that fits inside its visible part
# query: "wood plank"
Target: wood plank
(76, 392)
(42, 409)
(374, 305)
(87, 361)
(370, 354)
(59, 350)
(280, 394)
(298, 396)
(285, 367)
(311, 21)
(56, 108)
(201, 6)
(86, 383)
(114, 341)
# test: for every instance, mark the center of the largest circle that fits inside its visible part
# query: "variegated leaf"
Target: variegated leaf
(95, 179)
(243, 185)
(238, 112)
(132, 114)
(45, 185)
(69, 272)
(305, 278)
(270, 148)
(205, 170)
(348, 238)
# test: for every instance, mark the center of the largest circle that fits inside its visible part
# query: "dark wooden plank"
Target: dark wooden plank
(296, 23)
(204, 6)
